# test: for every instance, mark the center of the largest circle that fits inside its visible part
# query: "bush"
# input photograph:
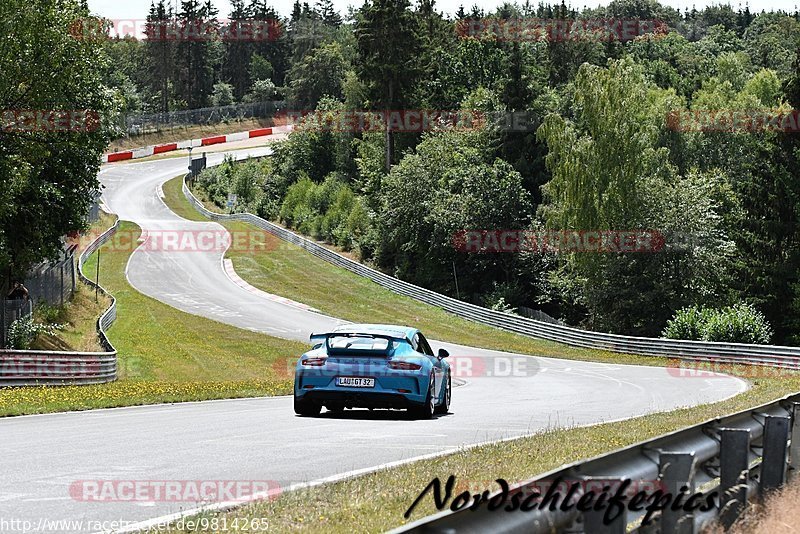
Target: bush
(502, 297)
(49, 314)
(740, 323)
(688, 323)
(23, 332)
(295, 204)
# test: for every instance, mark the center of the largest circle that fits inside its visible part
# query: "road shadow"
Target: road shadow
(373, 415)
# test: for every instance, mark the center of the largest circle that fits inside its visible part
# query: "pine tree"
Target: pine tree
(194, 60)
(159, 50)
(238, 53)
(388, 46)
(276, 51)
(328, 14)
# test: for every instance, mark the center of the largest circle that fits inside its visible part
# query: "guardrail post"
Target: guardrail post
(734, 468)
(594, 520)
(593, 523)
(676, 471)
(775, 443)
(794, 451)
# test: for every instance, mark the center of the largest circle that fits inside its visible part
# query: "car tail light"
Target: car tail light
(405, 366)
(314, 362)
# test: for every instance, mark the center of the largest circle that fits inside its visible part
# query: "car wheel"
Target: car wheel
(307, 409)
(426, 410)
(444, 407)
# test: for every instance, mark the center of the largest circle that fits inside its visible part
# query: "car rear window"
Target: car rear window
(358, 343)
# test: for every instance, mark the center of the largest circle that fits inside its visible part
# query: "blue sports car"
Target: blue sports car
(372, 366)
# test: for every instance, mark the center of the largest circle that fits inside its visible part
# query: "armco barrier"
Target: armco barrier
(724, 353)
(737, 456)
(39, 368)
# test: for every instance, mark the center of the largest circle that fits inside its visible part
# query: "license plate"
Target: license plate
(353, 382)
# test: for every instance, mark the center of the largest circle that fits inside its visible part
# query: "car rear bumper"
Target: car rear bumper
(359, 399)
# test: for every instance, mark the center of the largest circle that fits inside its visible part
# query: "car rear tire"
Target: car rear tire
(306, 409)
(444, 407)
(426, 410)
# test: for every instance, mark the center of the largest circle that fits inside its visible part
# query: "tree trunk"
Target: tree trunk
(389, 133)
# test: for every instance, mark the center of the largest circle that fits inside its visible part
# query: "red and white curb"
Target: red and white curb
(193, 143)
(236, 279)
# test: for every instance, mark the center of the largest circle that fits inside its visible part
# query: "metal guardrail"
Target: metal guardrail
(110, 315)
(38, 368)
(737, 456)
(705, 351)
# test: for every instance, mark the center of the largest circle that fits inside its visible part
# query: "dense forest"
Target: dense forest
(603, 151)
(603, 154)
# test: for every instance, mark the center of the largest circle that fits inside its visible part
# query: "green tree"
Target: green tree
(449, 184)
(609, 173)
(320, 73)
(48, 179)
(771, 40)
(388, 45)
(195, 54)
(159, 63)
(260, 68)
(222, 95)
(238, 53)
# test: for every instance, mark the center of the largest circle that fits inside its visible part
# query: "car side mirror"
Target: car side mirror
(443, 354)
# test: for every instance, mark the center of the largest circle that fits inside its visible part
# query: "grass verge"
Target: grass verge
(777, 514)
(165, 355)
(79, 318)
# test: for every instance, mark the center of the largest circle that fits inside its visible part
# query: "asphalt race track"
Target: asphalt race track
(261, 439)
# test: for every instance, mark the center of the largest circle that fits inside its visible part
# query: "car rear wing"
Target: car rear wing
(334, 351)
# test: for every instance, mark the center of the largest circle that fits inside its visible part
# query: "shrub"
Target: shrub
(740, 323)
(23, 332)
(296, 201)
(502, 296)
(688, 323)
(267, 207)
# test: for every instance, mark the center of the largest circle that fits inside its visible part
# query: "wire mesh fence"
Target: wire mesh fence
(94, 210)
(539, 315)
(10, 311)
(53, 282)
(156, 122)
